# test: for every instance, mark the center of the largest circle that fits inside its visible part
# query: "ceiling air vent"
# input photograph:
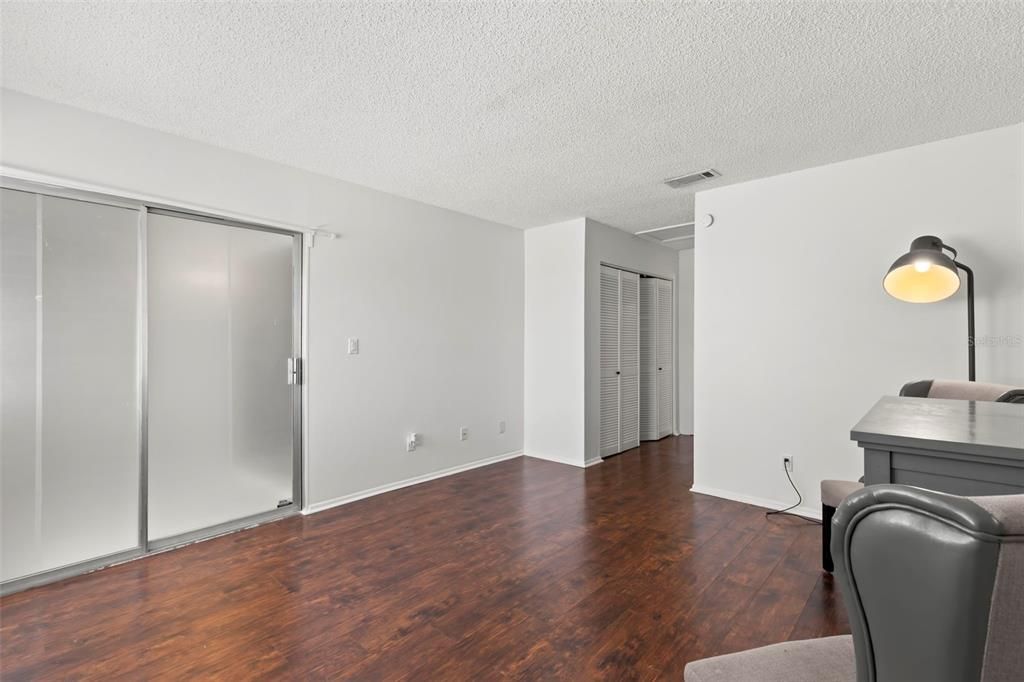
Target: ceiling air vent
(690, 178)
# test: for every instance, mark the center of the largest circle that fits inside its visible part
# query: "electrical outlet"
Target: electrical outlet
(411, 441)
(464, 433)
(787, 461)
(501, 427)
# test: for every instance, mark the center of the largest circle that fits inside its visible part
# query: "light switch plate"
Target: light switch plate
(353, 346)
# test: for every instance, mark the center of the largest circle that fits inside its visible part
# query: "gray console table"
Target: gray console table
(954, 446)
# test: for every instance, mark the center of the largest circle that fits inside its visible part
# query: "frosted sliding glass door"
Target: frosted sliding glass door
(221, 330)
(69, 407)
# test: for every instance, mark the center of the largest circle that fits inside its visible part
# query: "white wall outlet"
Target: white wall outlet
(353, 346)
(464, 433)
(411, 441)
(787, 461)
(501, 427)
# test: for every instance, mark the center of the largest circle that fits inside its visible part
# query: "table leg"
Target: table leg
(877, 466)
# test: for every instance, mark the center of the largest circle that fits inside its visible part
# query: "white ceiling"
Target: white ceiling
(530, 113)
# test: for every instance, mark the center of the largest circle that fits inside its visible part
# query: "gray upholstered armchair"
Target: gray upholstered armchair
(934, 588)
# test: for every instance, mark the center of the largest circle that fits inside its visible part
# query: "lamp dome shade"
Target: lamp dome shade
(924, 274)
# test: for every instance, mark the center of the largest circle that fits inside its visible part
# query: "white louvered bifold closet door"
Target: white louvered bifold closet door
(609, 361)
(629, 360)
(665, 356)
(648, 359)
(656, 359)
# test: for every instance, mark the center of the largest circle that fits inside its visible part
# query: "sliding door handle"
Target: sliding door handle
(294, 371)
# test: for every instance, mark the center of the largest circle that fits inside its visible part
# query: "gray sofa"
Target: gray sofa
(934, 588)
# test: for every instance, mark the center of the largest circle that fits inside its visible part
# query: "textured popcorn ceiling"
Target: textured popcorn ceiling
(530, 113)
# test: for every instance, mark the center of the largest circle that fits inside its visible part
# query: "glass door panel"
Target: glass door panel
(69, 407)
(221, 330)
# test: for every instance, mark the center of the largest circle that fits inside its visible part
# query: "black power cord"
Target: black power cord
(799, 500)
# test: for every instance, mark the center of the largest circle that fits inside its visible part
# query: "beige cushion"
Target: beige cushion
(1004, 655)
(834, 492)
(967, 390)
(829, 659)
(1008, 510)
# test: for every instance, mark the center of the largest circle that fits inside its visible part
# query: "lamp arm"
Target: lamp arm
(970, 318)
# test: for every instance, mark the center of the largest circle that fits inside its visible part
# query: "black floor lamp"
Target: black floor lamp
(925, 275)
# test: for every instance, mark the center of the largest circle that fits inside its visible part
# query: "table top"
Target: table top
(962, 426)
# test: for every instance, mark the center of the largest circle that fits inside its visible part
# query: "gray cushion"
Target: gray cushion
(829, 659)
(834, 492)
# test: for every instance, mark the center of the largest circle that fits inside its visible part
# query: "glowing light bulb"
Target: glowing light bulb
(922, 265)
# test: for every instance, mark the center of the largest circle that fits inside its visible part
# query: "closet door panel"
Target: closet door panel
(665, 355)
(629, 360)
(609, 416)
(609, 322)
(629, 393)
(609, 442)
(664, 324)
(648, 389)
(664, 405)
(220, 406)
(69, 437)
(629, 325)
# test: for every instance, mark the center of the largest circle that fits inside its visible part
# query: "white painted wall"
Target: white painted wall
(436, 297)
(795, 338)
(684, 338)
(563, 331)
(609, 246)
(554, 337)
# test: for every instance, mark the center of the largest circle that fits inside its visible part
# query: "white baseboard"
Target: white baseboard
(803, 510)
(560, 460)
(388, 487)
(565, 460)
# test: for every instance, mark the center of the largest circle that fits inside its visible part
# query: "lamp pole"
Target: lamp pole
(970, 318)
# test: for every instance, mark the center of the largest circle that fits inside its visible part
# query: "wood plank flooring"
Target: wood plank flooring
(524, 569)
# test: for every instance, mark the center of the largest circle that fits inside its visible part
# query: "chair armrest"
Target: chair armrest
(956, 509)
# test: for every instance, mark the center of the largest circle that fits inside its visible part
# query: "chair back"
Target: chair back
(963, 390)
(933, 584)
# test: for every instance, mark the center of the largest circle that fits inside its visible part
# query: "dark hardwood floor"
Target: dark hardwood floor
(523, 569)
